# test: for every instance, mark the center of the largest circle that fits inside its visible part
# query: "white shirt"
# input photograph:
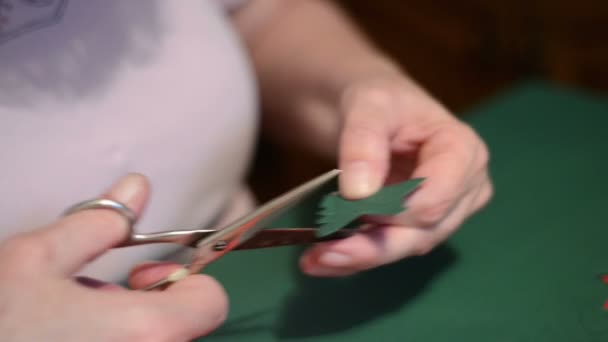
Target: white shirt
(92, 90)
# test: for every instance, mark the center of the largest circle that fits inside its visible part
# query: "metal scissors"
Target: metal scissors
(247, 232)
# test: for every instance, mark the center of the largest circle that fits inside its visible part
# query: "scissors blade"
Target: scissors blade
(221, 242)
(277, 237)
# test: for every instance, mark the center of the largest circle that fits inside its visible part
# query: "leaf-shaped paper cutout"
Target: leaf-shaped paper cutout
(337, 212)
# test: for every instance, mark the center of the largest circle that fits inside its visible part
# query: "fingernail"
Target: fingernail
(325, 264)
(128, 189)
(335, 259)
(357, 180)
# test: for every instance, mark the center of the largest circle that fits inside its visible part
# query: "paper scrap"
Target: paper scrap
(337, 212)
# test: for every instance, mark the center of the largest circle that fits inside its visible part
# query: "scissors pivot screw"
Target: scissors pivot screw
(220, 246)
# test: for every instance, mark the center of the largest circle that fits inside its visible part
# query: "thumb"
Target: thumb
(364, 153)
(81, 237)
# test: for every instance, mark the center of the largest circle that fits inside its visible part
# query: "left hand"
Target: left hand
(393, 131)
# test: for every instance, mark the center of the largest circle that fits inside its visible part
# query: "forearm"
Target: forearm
(306, 53)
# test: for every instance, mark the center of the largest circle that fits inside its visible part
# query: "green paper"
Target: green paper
(337, 212)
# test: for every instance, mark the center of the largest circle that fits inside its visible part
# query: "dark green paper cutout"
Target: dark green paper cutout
(337, 212)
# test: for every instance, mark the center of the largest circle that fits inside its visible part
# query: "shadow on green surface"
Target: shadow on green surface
(327, 306)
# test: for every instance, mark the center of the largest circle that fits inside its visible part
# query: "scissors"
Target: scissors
(247, 232)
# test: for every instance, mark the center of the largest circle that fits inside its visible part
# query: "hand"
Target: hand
(393, 131)
(41, 300)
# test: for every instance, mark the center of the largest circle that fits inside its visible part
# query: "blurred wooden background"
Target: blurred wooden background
(464, 51)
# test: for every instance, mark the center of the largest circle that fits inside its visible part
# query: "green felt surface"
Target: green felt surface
(525, 269)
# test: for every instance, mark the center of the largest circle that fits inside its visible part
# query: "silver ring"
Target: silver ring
(103, 203)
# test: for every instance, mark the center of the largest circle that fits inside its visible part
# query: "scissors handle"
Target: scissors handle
(181, 237)
(265, 238)
(261, 239)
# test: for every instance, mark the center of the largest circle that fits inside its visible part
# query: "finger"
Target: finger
(65, 246)
(382, 245)
(364, 148)
(149, 273)
(192, 307)
(450, 161)
(485, 195)
(452, 221)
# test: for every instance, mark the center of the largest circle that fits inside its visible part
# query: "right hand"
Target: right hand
(41, 300)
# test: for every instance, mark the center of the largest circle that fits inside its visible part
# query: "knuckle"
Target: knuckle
(146, 325)
(485, 196)
(368, 93)
(363, 130)
(219, 305)
(429, 214)
(464, 130)
(207, 300)
(28, 250)
(424, 248)
(484, 155)
(361, 141)
(218, 318)
(463, 133)
(467, 133)
(457, 131)
(488, 192)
